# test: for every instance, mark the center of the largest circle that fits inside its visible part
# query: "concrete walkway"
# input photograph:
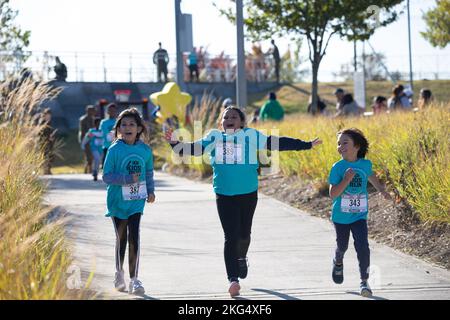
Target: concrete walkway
(182, 249)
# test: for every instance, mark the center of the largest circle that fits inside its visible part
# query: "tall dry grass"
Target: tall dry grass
(410, 151)
(33, 254)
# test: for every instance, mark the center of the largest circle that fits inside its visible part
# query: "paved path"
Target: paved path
(182, 249)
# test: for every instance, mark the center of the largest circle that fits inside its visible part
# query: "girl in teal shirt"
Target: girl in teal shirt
(233, 156)
(128, 171)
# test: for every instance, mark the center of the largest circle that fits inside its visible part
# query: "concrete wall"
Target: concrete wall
(71, 102)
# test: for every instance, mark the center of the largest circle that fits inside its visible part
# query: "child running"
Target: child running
(232, 153)
(348, 189)
(94, 137)
(128, 171)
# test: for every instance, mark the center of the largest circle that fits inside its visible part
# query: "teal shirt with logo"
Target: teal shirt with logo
(234, 159)
(106, 126)
(352, 205)
(123, 160)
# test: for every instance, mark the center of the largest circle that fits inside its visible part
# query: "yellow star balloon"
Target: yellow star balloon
(172, 101)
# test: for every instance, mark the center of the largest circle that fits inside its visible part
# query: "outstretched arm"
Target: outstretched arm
(290, 144)
(183, 148)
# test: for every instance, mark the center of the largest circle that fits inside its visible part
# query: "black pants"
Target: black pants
(127, 229)
(236, 215)
(193, 69)
(361, 242)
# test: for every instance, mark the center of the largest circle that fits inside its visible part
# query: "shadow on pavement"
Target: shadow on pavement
(371, 298)
(278, 294)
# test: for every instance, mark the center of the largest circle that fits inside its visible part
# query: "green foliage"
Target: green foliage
(438, 23)
(13, 40)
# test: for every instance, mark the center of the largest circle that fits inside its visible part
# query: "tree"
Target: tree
(13, 40)
(438, 23)
(318, 21)
(291, 63)
(373, 67)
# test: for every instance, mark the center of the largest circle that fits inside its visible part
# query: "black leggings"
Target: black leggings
(236, 215)
(128, 228)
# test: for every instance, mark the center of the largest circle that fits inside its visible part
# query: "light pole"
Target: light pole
(180, 77)
(410, 51)
(241, 81)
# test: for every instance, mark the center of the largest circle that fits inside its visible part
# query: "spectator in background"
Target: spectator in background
(379, 105)
(271, 110)
(277, 59)
(161, 59)
(349, 107)
(60, 70)
(226, 103)
(193, 66)
(47, 139)
(425, 98)
(398, 99)
(85, 123)
(320, 105)
(339, 93)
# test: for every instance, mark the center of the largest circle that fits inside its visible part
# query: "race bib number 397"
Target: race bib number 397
(353, 203)
(134, 191)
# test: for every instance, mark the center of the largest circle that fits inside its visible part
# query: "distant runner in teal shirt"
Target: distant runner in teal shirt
(94, 137)
(348, 189)
(107, 126)
(233, 156)
(128, 171)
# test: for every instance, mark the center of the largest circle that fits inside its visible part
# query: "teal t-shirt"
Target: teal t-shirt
(352, 204)
(234, 159)
(106, 126)
(95, 137)
(125, 159)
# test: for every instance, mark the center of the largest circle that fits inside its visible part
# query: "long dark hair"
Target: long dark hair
(239, 111)
(130, 113)
(358, 140)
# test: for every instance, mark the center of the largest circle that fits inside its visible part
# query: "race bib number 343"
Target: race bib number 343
(353, 203)
(134, 191)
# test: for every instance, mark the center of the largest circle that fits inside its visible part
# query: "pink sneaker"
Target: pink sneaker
(234, 289)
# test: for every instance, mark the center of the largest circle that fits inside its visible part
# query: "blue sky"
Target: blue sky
(138, 25)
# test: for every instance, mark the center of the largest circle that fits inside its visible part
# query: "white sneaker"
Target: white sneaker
(136, 287)
(119, 281)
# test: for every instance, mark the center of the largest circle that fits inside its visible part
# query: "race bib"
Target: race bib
(134, 191)
(353, 203)
(228, 153)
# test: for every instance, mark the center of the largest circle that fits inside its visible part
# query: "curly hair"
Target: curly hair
(358, 140)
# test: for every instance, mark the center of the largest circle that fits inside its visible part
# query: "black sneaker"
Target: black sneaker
(365, 289)
(338, 273)
(243, 268)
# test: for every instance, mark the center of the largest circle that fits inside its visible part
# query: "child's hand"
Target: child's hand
(349, 174)
(168, 135)
(151, 198)
(316, 142)
(136, 177)
(386, 195)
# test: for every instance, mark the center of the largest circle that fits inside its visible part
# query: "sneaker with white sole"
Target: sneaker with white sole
(136, 287)
(338, 273)
(234, 289)
(119, 281)
(365, 289)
